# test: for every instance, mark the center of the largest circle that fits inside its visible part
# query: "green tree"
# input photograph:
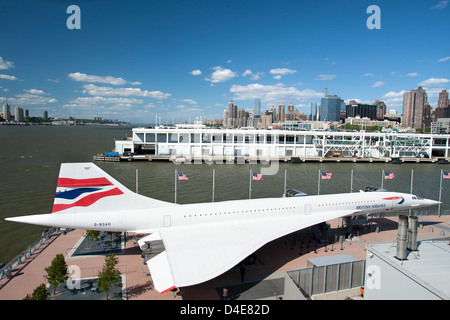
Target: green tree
(57, 271)
(40, 293)
(91, 234)
(109, 276)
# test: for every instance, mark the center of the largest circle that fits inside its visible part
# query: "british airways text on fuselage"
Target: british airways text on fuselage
(368, 206)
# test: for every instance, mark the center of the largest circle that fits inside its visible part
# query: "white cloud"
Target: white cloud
(190, 101)
(247, 72)
(94, 90)
(253, 76)
(368, 74)
(4, 64)
(278, 72)
(272, 93)
(87, 102)
(393, 94)
(82, 77)
(28, 98)
(444, 59)
(326, 77)
(35, 91)
(434, 82)
(221, 75)
(412, 74)
(440, 5)
(196, 72)
(7, 77)
(377, 84)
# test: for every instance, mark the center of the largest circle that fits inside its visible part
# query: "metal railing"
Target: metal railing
(334, 277)
(6, 271)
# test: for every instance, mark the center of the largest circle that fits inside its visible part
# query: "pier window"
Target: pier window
(227, 138)
(249, 138)
(238, 138)
(206, 138)
(162, 137)
(217, 138)
(290, 139)
(149, 137)
(139, 137)
(299, 139)
(195, 137)
(281, 139)
(269, 138)
(259, 138)
(184, 137)
(173, 137)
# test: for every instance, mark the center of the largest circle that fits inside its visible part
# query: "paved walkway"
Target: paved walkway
(279, 255)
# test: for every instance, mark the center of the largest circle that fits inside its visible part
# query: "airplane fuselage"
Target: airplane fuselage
(305, 207)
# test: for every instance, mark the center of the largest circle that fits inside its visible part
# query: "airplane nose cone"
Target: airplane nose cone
(432, 202)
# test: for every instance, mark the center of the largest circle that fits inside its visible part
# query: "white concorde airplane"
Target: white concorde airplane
(200, 241)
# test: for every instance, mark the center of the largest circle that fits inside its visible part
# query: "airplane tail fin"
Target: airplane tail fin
(86, 187)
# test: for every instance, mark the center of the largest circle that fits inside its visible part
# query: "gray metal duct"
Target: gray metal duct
(402, 237)
(412, 233)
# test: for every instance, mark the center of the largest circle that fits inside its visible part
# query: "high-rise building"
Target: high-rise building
(413, 108)
(256, 113)
(257, 110)
(427, 110)
(330, 107)
(45, 115)
(231, 115)
(290, 112)
(241, 118)
(443, 99)
(6, 112)
(381, 109)
(18, 114)
(281, 112)
(314, 111)
(354, 109)
(442, 105)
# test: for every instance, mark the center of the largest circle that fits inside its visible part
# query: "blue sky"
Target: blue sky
(179, 60)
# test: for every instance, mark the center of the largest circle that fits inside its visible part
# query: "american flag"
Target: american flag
(389, 175)
(326, 175)
(446, 175)
(182, 176)
(257, 176)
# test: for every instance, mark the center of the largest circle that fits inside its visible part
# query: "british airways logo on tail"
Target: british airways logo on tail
(396, 198)
(82, 192)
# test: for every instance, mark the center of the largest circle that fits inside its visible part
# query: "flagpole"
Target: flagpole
(382, 178)
(137, 182)
(318, 184)
(440, 193)
(213, 187)
(250, 186)
(285, 172)
(176, 182)
(351, 182)
(411, 191)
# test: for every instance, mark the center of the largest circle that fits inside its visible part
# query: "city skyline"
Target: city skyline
(181, 60)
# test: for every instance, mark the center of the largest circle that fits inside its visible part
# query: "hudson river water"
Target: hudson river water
(30, 158)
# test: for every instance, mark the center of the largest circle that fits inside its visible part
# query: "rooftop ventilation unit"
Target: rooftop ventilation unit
(373, 189)
(294, 193)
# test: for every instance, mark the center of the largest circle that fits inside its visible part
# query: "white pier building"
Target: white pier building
(163, 142)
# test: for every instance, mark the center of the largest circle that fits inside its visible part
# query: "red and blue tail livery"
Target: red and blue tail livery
(85, 187)
(82, 192)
